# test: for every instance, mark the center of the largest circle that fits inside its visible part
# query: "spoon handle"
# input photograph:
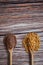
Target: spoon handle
(32, 63)
(10, 57)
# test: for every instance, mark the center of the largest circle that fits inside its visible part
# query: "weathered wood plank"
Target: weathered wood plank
(20, 19)
(19, 52)
(17, 14)
(21, 12)
(20, 1)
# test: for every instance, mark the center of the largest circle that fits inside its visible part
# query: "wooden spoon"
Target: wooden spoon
(10, 42)
(31, 43)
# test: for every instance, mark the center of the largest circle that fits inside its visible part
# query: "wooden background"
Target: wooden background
(20, 1)
(21, 18)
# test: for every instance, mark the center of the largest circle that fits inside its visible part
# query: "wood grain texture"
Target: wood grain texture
(20, 1)
(21, 19)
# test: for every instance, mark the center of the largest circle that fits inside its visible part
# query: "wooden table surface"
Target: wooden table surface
(21, 19)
